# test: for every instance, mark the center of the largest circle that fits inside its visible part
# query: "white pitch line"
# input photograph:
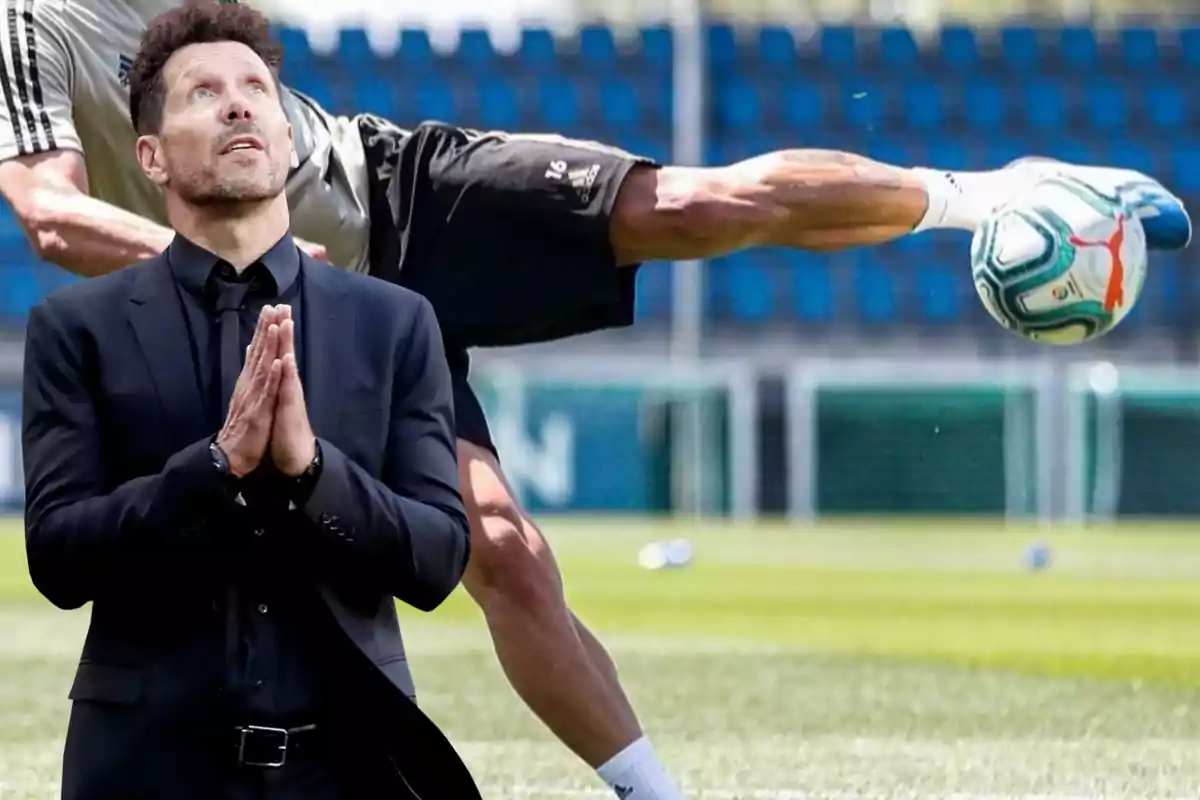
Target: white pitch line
(797, 794)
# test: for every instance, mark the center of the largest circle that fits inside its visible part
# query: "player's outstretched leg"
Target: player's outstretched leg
(825, 200)
(553, 662)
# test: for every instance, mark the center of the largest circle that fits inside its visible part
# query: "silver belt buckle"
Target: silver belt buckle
(282, 733)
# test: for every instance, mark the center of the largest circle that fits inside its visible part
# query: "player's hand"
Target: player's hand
(315, 250)
(293, 444)
(247, 430)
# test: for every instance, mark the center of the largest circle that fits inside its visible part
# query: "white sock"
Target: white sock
(961, 200)
(636, 774)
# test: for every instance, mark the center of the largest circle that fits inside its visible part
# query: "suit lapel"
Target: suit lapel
(160, 326)
(328, 341)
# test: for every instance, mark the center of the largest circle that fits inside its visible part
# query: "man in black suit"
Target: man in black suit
(240, 456)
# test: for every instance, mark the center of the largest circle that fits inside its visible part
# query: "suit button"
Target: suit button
(262, 608)
(259, 531)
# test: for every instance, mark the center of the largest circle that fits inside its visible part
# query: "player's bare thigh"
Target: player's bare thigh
(509, 556)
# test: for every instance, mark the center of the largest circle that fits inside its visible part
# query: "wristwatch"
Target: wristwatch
(302, 485)
(220, 460)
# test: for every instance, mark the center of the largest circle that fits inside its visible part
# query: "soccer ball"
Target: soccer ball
(1061, 263)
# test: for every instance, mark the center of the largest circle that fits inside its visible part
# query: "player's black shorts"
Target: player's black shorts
(505, 234)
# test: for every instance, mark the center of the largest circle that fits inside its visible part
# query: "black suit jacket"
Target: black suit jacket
(123, 510)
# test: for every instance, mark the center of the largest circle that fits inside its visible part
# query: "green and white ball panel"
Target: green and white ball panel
(1044, 264)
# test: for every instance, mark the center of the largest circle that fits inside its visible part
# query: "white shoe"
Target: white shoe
(1163, 215)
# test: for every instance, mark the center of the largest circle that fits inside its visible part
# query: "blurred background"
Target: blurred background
(929, 559)
(785, 383)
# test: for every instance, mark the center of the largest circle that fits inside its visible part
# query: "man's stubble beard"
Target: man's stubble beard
(211, 191)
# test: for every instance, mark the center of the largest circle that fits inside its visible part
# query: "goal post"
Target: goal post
(1134, 439)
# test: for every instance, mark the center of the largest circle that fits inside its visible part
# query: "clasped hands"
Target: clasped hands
(267, 414)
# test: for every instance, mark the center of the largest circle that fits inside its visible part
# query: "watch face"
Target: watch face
(218, 455)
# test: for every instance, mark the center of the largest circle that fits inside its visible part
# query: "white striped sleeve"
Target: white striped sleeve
(35, 73)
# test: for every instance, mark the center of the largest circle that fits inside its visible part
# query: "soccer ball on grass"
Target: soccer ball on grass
(1061, 263)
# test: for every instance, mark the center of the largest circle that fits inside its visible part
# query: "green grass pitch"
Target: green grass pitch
(865, 660)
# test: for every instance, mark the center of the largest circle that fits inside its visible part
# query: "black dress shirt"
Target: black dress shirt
(274, 672)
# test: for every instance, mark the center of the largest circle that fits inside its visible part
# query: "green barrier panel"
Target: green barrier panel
(926, 450)
(616, 451)
(1142, 452)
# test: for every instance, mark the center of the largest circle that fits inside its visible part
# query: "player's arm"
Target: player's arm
(49, 194)
(43, 175)
(808, 199)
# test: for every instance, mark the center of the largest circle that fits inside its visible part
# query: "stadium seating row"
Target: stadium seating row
(1017, 47)
(743, 99)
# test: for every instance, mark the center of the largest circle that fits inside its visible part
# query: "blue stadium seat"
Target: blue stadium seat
(1186, 161)
(619, 103)
(777, 48)
(801, 105)
(945, 153)
(1105, 105)
(1020, 47)
(435, 99)
(738, 103)
(558, 103)
(887, 150)
(327, 94)
(375, 97)
(937, 292)
(1139, 47)
(1000, 150)
(1128, 154)
(1044, 105)
(415, 48)
(984, 104)
(875, 288)
(897, 48)
(296, 51)
(496, 104)
(864, 104)
(657, 46)
(1189, 46)
(597, 47)
(1077, 47)
(1165, 104)
(924, 107)
(957, 48)
(721, 47)
(812, 287)
(1071, 149)
(838, 46)
(354, 49)
(654, 291)
(19, 290)
(1165, 282)
(538, 47)
(475, 48)
(752, 290)
(658, 102)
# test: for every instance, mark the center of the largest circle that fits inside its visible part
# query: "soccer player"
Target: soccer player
(513, 238)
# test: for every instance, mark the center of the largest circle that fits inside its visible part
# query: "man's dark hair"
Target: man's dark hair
(196, 22)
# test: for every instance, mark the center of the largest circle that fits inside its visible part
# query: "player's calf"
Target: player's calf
(556, 666)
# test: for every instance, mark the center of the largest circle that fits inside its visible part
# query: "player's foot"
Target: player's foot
(1163, 216)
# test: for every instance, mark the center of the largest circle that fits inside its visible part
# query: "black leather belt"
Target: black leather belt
(265, 746)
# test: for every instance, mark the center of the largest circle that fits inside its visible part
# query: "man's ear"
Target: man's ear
(295, 157)
(153, 162)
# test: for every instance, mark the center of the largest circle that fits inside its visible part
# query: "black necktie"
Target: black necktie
(229, 305)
